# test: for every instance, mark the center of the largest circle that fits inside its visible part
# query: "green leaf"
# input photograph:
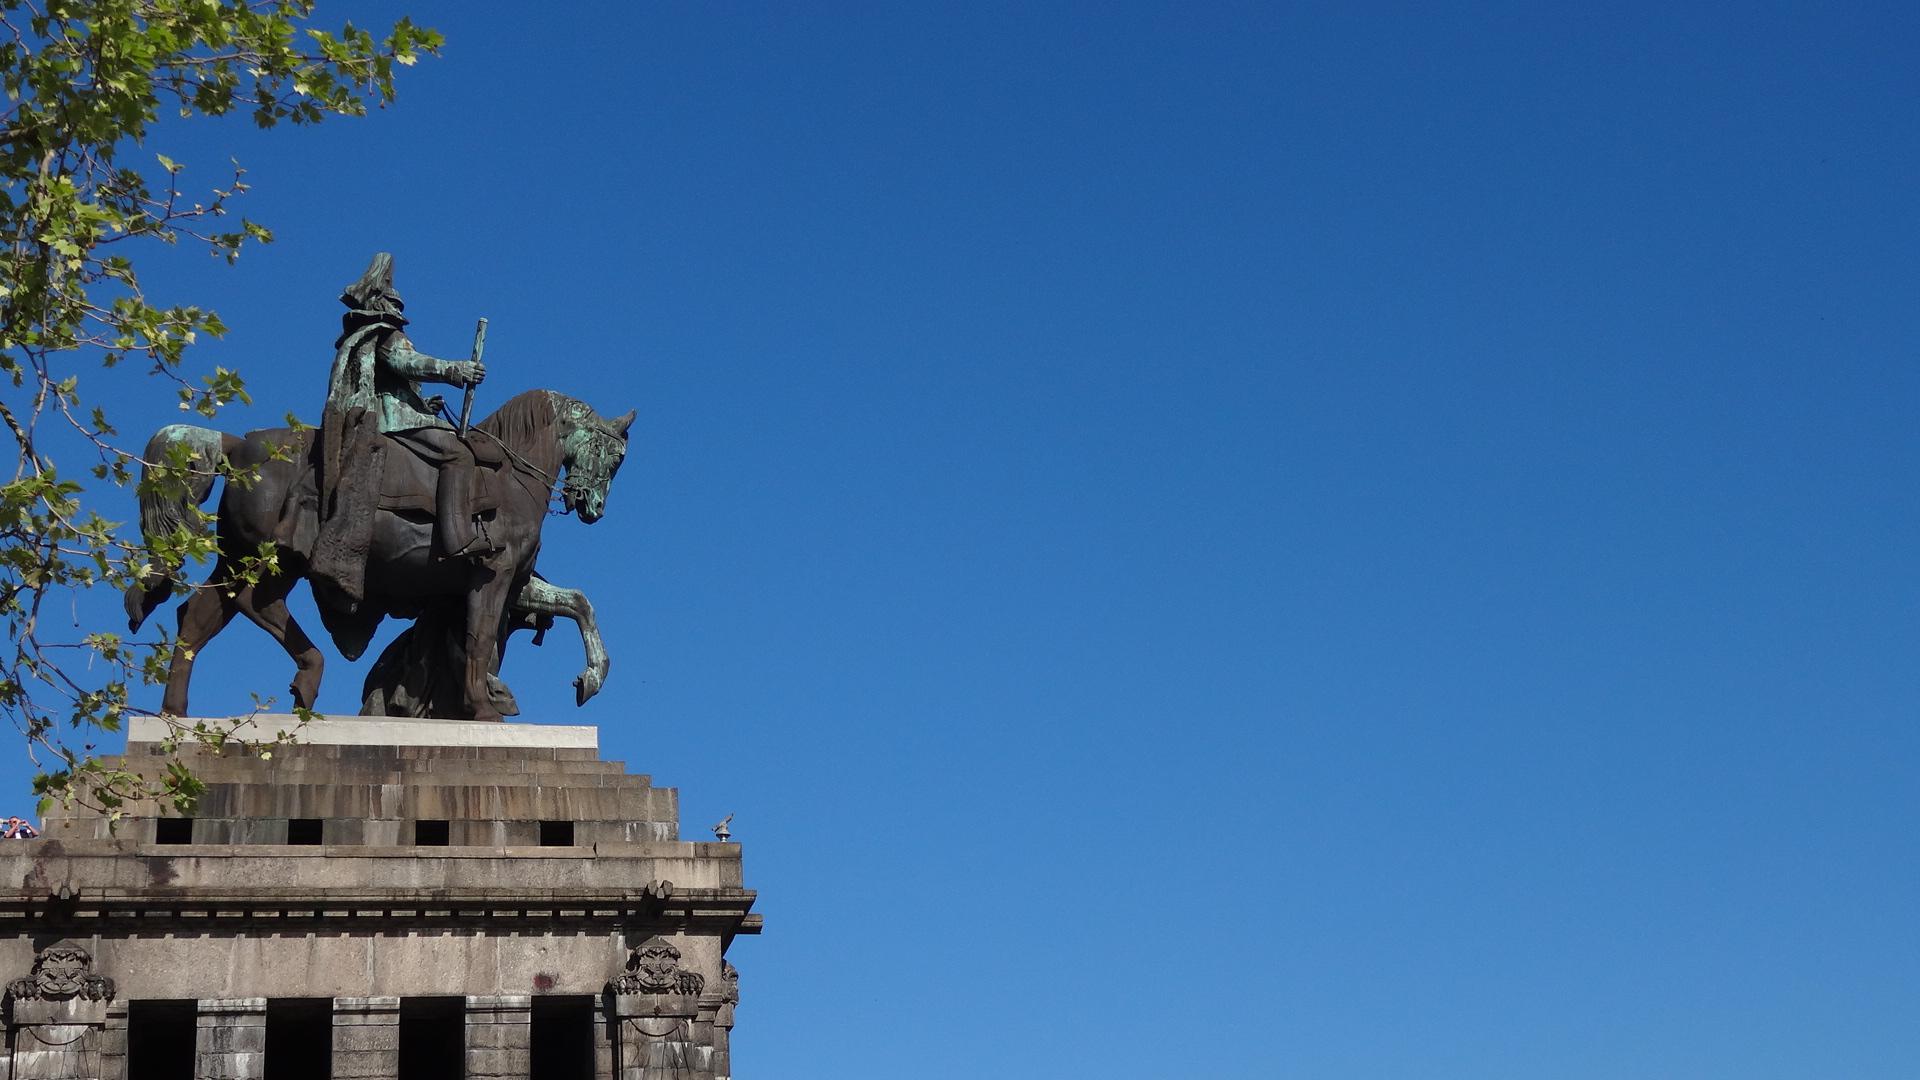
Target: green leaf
(86, 80)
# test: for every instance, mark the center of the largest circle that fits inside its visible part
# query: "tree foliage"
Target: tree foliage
(85, 81)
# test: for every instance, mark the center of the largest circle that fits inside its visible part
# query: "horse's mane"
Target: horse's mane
(525, 419)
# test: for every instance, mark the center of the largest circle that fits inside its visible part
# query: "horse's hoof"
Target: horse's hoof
(584, 689)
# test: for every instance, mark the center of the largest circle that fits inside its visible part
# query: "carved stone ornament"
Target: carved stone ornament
(62, 971)
(653, 967)
(729, 983)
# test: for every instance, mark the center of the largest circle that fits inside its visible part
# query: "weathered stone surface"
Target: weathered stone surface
(660, 1048)
(55, 1052)
(486, 923)
(499, 1037)
(366, 1038)
(57, 1015)
(491, 795)
(231, 1039)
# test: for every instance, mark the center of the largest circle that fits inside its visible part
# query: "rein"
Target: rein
(517, 459)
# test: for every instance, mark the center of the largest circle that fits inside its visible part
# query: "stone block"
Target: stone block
(499, 1037)
(660, 1048)
(366, 1038)
(385, 731)
(231, 1039)
(672, 1005)
(74, 1010)
(56, 1052)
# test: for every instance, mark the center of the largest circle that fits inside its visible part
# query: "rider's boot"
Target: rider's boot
(453, 506)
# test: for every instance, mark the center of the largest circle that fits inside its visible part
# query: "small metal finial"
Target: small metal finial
(720, 831)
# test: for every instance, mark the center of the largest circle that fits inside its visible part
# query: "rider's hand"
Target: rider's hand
(470, 372)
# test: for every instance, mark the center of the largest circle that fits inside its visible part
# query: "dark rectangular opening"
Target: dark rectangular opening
(432, 1039)
(556, 834)
(304, 830)
(160, 1037)
(173, 830)
(299, 1039)
(562, 1038)
(432, 833)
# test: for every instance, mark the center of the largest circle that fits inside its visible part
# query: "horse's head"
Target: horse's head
(592, 448)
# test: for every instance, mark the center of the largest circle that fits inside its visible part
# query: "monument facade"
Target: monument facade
(386, 899)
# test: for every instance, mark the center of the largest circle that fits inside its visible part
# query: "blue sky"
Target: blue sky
(1362, 541)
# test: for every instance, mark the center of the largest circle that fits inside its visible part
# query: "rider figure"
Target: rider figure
(375, 388)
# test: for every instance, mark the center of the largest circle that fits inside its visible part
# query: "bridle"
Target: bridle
(570, 490)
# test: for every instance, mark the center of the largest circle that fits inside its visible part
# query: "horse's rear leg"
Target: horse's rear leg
(266, 605)
(205, 613)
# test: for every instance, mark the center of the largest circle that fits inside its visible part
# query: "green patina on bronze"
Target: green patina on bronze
(388, 511)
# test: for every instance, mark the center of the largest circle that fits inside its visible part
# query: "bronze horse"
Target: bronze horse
(536, 441)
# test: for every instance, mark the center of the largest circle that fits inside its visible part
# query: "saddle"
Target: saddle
(408, 481)
(405, 476)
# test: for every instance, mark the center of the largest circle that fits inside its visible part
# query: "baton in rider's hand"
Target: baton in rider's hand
(479, 346)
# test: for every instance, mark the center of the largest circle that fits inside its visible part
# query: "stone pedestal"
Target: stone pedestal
(423, 880)
(366, 1038)
(231, 1039)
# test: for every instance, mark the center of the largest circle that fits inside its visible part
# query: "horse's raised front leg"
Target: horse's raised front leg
(266, 605)
(204, 614)
(486, 619)
(542, 597)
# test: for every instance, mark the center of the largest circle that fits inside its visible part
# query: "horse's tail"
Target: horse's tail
(176, 475)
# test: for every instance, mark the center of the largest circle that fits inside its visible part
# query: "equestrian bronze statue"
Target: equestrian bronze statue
(387, 509)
